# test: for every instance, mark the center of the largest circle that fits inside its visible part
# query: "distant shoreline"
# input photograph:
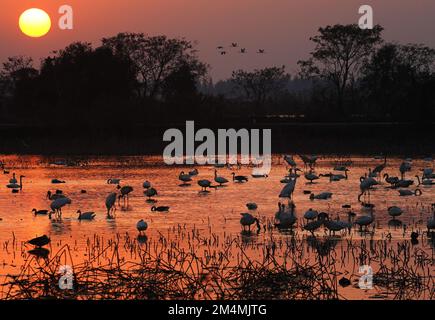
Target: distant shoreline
(310, 137)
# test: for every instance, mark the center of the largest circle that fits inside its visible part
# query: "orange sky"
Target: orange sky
(281, 27)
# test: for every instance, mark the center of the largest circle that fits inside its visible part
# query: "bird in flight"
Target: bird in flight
(234, 45)
(261, 51)
(243, 50)
(223, 53)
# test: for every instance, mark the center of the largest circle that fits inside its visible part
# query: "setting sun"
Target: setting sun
(35, 23)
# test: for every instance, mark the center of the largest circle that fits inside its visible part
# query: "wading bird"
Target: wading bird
(286, 219)
(365, 221)
(39, 241)
(404, 167)
(288, 190)
(366, 183)
(111, 205)
(125, 192)
(378, 169)
(204, 184)
(310, 176)
(248, 220)
(57, 205)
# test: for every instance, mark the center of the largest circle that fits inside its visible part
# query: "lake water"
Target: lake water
(217, 212)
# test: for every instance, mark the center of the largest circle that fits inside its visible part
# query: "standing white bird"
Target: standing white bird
(125, 191)
(110, 205)
(290, 161)
(404, 167)
(204, 184)
(365, 185)
(57, 205)
(365, 221)
(378, 169)
(286, 220)
(310, 176)
(247, 220)
(289, 188)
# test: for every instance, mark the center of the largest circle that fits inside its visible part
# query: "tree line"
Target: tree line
(133, 79)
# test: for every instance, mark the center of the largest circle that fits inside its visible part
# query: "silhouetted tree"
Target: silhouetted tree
(154, 59)
(16, 78)
(180, 93)
(398, 77)
(339, 53)
(260, 85)
(85, 86)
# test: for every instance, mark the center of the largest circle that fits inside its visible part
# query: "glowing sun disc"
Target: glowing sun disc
(35, 23)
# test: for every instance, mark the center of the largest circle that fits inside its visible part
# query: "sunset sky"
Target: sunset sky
(281, 27)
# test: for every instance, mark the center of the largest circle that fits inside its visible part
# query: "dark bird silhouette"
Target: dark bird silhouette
(160, 209)
(39, 212)
(240, 179)
(243, 50)
(261, 51)
(39, 241)
(234, 45)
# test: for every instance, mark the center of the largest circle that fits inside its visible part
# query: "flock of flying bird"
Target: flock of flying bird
(285, 217)
(223, 51)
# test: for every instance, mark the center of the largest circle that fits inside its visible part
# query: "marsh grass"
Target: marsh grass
(228, 268)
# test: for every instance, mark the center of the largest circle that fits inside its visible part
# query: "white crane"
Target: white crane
(111, 205)
(57, 205)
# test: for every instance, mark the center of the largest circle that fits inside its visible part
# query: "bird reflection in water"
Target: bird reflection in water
(40, 253)
(323, 245)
